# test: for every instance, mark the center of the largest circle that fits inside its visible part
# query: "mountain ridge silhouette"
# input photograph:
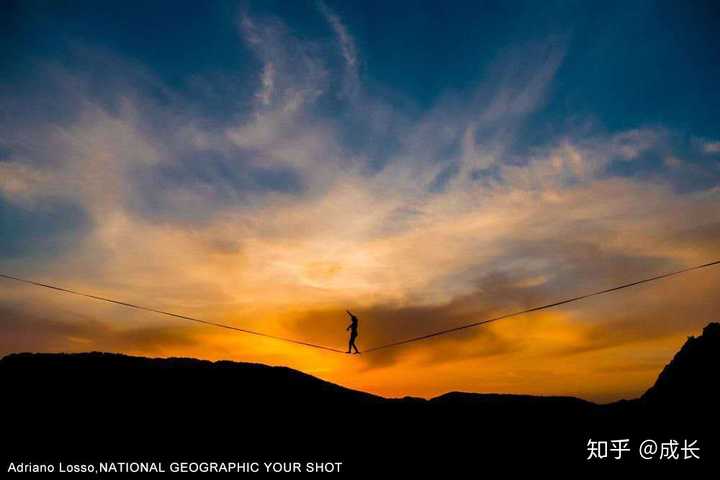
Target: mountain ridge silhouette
(684, 377)
(102, 404)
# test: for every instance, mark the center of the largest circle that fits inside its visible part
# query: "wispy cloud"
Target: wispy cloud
(711, 147)
(268, 84)
(347, 48)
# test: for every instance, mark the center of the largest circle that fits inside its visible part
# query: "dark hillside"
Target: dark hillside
(70, 406)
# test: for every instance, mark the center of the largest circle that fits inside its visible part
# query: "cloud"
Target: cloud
(347, 48)
(268, 84)
(24, 330)
(711, 147)
(20, 182)
(296, 73)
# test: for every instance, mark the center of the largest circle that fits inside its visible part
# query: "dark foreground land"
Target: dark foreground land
(102, 407)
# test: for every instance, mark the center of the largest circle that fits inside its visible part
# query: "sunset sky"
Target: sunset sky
(270, 164)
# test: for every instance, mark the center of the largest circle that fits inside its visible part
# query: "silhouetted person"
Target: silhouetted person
(353, 332)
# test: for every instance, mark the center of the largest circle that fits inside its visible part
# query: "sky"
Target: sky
(424, 164)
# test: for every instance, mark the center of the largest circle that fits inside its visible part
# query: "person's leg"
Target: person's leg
(350, 343)
(355, 346)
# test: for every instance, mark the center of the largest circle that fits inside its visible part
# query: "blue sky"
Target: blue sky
(627, 63)
(271, 163)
